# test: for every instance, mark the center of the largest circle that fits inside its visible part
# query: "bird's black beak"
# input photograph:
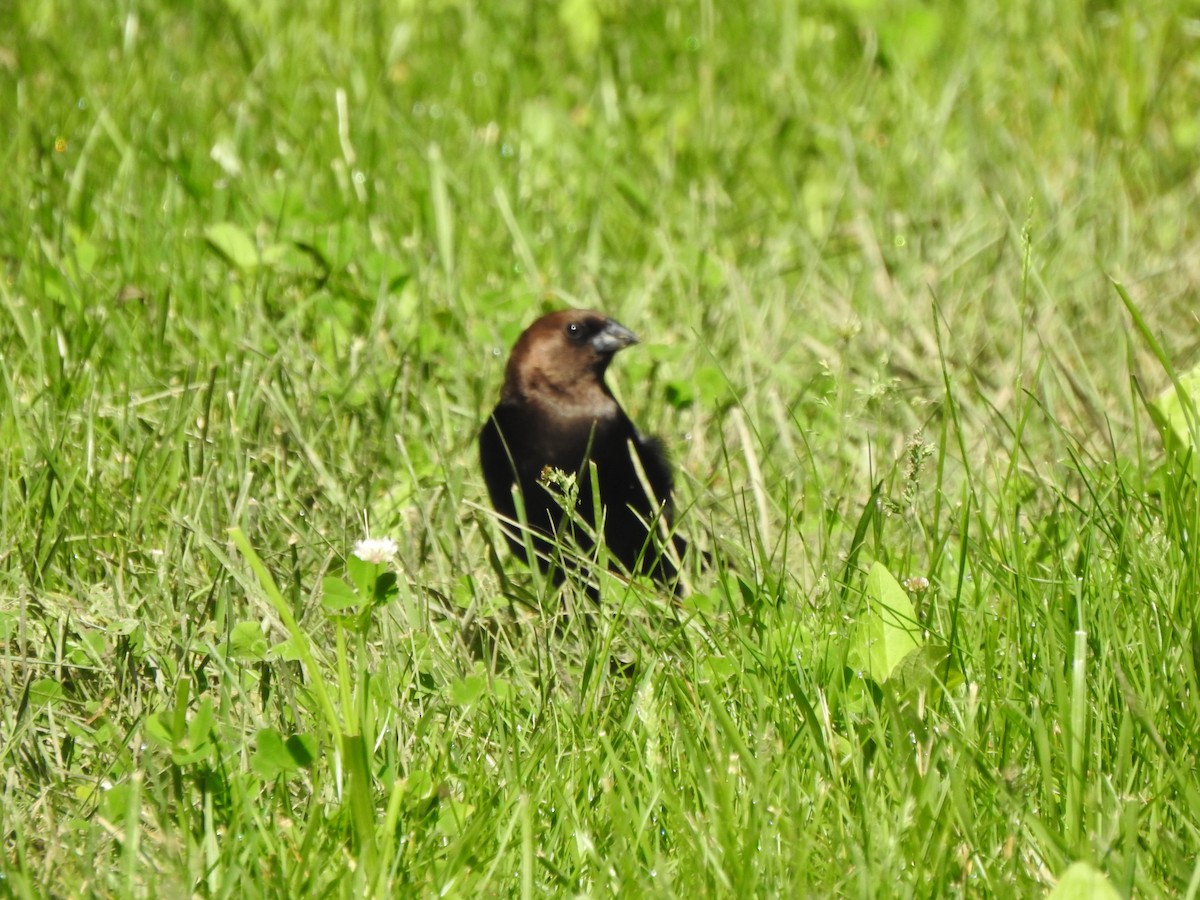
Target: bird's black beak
(613, 337)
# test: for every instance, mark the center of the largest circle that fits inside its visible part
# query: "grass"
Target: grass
(261, 266)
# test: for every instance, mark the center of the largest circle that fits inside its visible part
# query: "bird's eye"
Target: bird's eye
(575, 331)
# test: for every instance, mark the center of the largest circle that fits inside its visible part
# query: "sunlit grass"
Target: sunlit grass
(261, 269)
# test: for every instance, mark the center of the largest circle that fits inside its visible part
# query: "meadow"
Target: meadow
(916, 284)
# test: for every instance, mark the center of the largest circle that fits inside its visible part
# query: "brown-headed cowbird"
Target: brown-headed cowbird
(556, 411)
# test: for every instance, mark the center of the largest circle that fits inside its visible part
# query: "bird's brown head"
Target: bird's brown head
(562, 357)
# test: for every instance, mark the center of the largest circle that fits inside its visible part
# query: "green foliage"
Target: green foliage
(888, 632)
(1177, 419)
(1083, 882)
(275, 755)
(259, 269)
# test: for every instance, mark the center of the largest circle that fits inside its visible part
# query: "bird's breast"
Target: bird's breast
(562, 442)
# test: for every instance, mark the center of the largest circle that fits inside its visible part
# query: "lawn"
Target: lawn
(913, 281)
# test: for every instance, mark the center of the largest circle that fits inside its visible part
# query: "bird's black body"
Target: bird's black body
(556, 411)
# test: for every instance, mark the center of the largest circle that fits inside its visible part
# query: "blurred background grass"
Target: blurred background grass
(262, 265)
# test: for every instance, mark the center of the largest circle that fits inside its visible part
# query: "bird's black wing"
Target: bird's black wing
(499, 474)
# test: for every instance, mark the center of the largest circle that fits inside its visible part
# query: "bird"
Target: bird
(557, 412)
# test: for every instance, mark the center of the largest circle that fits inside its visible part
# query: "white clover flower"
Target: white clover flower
(376, 550)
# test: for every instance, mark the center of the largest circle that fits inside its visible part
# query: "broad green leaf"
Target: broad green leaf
(1082, 881)
(465, 593)
(711, 385)
(418, 784)
(336, 595)
(45, 691)
(465, 691)
(288, 651)
(247, 642)
(275, 255)
(452, 815)
(888, 630)
(502, 689)
(911, 35)
(201, 724)
(234, 244)
(197, 745)
(679, 394)
(925, 667)
(701, 602)
(90, 650)
(1171, 412)
(185, 756)
(385, 270)
(274, 756)
(721, 668)
(158, 729)
(116, 801)
(581, 20)
(271, 758)
(386, 587)
(303, 748)
(365, 575)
